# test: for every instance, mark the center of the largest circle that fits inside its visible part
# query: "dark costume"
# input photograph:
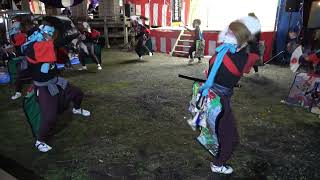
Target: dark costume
(6, 51)
(197, 36)
(312, 60)
(53, 93)
(66, 93)
(23, 72)
(143, 46)
(89, 40)
(215, 110)
(226, 124)
(292, 44)
(253, 47)
(23, 75)
(211, 101)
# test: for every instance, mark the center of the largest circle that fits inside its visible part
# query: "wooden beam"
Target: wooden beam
(125, 29)
(106, 34)
(25, 6)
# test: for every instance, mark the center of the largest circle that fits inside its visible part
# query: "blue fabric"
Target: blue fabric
(221, 50)
(221, 90)
(48, 29)
(74, 61)
(53, 84)
(4, 78)
(45, 68)
(35, 37)
(15, 29)
(283, 26)
(201, 35)
(60, 66)
(38, 36)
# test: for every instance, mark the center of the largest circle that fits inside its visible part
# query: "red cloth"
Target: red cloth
(94, 34)
(227, 62)
(19, 39)
(43, 51)
(314, 58)
(252, 59)
(147, 31)
(62, 55)
(231, 66)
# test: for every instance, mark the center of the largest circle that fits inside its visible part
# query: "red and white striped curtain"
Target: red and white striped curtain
(158, 11)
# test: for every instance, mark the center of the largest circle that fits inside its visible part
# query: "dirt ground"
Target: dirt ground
(138, 127)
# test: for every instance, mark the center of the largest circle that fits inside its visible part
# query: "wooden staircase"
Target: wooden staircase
(113, 29)
(182, 45)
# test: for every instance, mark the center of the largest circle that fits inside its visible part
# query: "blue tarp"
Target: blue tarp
(73, 61)
(282, 25)
(4, 78)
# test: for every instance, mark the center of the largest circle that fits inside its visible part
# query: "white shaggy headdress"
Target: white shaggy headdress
(251, 23)
(227, 36)
(67, 3)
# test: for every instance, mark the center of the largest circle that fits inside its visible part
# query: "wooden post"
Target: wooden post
(125, 29)
(51, 11)
(25, 6)
(106, 33)
(80, 10)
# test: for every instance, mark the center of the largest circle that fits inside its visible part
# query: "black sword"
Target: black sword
(200, 80)
(191, 78)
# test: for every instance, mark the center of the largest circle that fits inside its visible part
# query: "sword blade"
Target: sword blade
(191, 78)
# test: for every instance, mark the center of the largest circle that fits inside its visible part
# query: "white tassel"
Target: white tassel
(67, 3)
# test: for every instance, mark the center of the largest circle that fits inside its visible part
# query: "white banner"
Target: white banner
(155, 14)
(147, 12)
(138, 10)
(164, 15)
(217, 14)
(183, 12)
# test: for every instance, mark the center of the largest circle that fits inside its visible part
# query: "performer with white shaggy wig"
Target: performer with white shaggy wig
(225, 70)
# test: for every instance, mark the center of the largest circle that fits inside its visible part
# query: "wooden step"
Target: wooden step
(182, 52)
(183, 46)
(190, 41)
(181, 55)
(114, 35)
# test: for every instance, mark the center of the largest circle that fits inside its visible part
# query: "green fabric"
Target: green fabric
(97, 50)
(32, 111)
(215, 102)
(149, 44)
(200, 46)
(196, 88)
(148, 47)
(12, 67)
(208, 142)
